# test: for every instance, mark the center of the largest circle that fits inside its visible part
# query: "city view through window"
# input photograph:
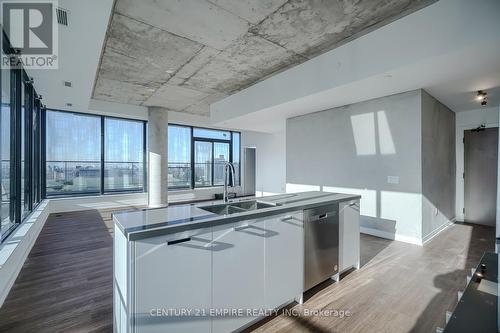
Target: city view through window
(211, 149)
(73, 154)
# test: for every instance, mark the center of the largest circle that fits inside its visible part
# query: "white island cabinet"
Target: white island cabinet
(259, 267)
(238, 271)
(284, 269)
(184, 269)
(349, 235)
(173, 282)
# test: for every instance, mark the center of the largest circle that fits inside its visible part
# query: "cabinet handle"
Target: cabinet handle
(353, 204)
(241, 227)
(287, 218)
(177, 241)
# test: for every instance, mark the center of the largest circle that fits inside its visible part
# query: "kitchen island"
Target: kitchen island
(219, 267)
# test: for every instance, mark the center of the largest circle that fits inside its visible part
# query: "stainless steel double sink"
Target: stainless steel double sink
(237, 207)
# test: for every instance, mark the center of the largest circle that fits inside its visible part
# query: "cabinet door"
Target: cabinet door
(173, 272)
(238, 273)
(284, 273)
(349, 235)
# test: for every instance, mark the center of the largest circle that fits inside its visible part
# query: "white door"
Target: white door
(173, 273)
(284, 273)
(238, 274)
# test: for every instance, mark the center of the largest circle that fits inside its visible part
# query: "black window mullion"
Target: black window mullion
(144, 157)
(102, 154)
(28, 145)
(212, 162)
(16, 138)
(231, 157)
(43, 164)
(192, 160)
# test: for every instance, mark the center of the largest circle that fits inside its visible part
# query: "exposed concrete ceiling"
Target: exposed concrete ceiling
(185, 55)
(451, 49)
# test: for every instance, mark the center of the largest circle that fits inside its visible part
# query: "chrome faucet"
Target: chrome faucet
(228, 169)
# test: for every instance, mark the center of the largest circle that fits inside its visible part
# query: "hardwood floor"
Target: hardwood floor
(65, 284)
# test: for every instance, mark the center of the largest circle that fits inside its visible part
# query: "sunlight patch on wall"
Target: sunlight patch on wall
(363, 129)
(384, 135)
(368, 132)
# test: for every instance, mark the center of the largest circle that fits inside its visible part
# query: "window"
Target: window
(73, 148)
(124, 155)
(19, 125)
(236, 156)
(221, 156)
(6, 217)
(179, 157)
(74, 160)
(204, 165)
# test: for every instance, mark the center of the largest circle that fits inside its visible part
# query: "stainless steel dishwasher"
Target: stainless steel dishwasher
(321, 244)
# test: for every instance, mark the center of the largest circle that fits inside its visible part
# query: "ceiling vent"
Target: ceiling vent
(68, 84)
(62, 16)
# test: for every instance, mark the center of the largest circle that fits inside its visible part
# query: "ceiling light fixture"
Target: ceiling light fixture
(482, 96)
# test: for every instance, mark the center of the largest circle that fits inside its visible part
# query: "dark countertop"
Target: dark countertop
(477, 311)
(162, 221)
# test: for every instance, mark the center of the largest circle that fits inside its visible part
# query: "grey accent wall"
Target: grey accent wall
(372, 148)
(438, 165)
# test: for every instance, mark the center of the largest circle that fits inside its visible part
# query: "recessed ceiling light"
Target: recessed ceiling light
(482, 96)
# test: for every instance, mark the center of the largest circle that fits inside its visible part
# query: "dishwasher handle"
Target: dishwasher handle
(323, 216)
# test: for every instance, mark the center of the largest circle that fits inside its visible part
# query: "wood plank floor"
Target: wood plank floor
(65, 284)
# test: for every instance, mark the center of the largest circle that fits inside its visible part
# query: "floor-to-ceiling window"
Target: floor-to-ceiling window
(73, 153)
(90, 154)
(196, 156)
(6, 218)
(179, 156)
(124, 155)
(19, 145)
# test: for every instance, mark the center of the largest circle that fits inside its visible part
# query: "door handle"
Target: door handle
(177, 241)
(287, 218)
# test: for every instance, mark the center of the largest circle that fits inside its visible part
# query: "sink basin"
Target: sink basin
(223, 209)
(252, 204)
(237, 207)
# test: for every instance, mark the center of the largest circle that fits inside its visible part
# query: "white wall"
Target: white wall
(354, 149)
(464, 121)
(270, 160)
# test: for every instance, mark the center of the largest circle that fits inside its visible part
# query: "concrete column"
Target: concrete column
(157, 157)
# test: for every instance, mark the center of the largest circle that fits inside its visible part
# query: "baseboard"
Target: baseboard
(437, 231)
(388, 235)
(18, 246)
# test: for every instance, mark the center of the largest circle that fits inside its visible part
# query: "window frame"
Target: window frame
(194, 139)
(102, 161)
(20, 80)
